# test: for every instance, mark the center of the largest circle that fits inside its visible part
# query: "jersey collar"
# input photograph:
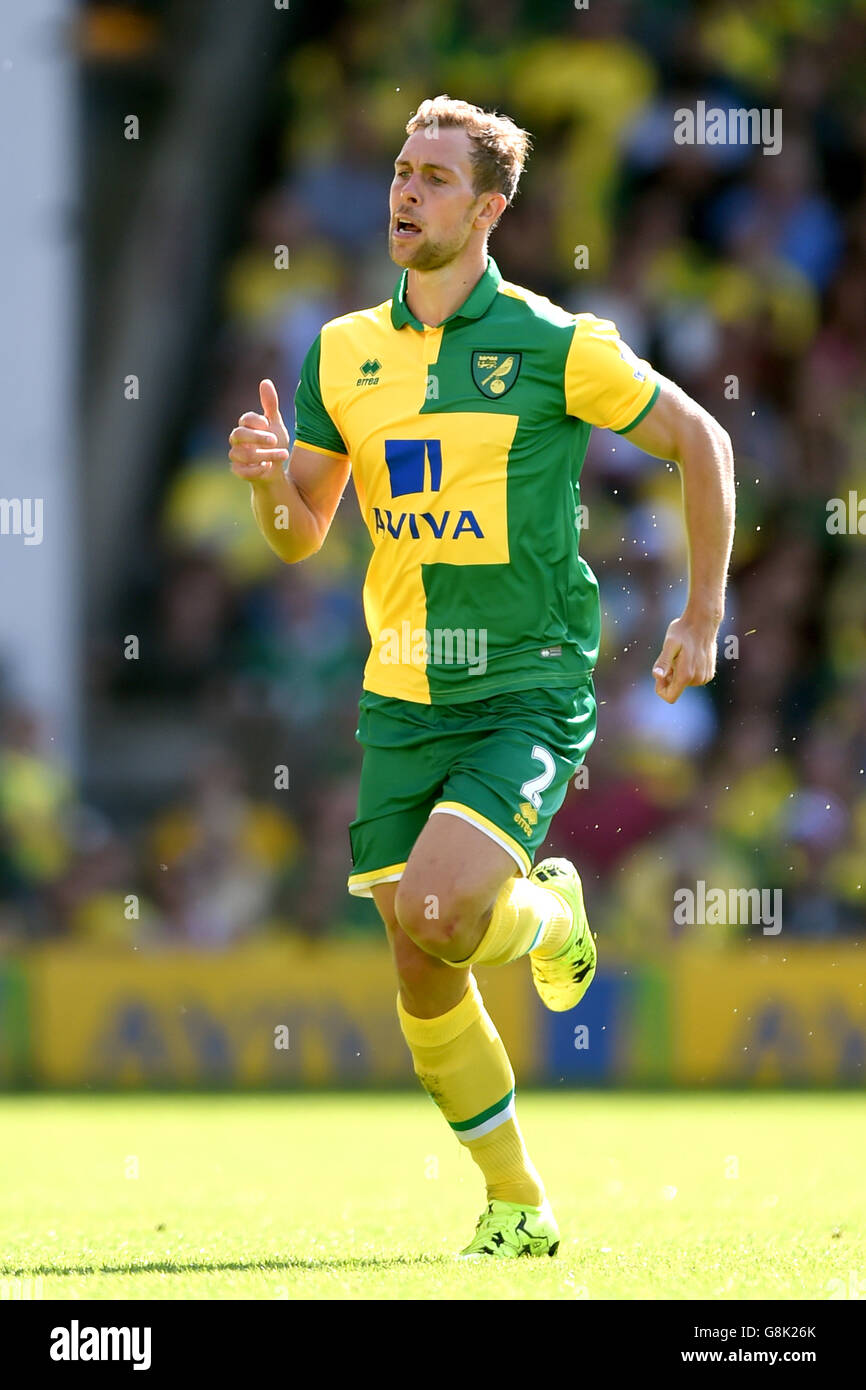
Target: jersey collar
(474, 306)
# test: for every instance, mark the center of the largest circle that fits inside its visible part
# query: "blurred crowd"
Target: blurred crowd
(740, 275)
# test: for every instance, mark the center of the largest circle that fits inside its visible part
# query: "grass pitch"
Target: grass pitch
(367, 1196)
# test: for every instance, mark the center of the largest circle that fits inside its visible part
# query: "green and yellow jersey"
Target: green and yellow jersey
(467, 442)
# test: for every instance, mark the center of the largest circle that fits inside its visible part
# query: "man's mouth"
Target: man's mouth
(405, 229)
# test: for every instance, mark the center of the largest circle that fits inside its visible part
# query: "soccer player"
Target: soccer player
(464, 404)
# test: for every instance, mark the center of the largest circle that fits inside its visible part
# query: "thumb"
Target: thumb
(270, 401)
(664, 662)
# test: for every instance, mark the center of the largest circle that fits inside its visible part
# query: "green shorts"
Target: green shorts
(503, 764)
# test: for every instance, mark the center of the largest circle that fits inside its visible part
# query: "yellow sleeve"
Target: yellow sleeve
(605, 383)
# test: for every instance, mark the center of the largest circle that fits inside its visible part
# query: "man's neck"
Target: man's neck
(434, 295)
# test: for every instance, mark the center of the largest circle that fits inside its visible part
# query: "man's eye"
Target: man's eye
(436, 178)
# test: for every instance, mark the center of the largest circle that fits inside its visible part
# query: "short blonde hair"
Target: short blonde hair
(500, 148)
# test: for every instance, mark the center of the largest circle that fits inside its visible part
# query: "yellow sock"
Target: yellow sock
(525, 917)
(461, 1062)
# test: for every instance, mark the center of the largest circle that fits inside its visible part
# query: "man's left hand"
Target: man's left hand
(688, 657)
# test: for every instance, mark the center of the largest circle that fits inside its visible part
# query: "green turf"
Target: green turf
(367, 1196)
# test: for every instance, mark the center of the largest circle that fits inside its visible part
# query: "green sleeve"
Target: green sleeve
(313, 424)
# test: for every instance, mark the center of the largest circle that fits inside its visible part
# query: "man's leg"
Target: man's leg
(456, 1050)
(461, 900)
(428, 987)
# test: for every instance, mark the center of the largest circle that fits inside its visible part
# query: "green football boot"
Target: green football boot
(507, 1230)
(562, 980)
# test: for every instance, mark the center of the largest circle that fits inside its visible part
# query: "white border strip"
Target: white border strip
(465, 1135)
(365, 890)
(449, 811)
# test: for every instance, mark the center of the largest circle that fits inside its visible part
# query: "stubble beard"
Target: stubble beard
(432, 255)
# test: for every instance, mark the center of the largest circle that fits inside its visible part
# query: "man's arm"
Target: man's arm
(293, 510)
(678, 429)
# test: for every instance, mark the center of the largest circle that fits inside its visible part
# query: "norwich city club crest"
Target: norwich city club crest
(494, 373)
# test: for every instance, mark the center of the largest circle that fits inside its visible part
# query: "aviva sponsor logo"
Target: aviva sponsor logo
(415, 466)
(450, 525)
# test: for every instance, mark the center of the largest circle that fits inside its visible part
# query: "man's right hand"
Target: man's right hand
(260, 443)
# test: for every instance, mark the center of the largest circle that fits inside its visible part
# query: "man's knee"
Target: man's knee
(416, 965)
(438, 922)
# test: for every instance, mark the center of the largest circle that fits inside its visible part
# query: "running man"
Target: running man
(464, 404)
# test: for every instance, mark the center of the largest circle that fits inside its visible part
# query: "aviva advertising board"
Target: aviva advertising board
(296, 1014)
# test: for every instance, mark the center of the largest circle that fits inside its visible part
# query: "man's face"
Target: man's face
(432, 194)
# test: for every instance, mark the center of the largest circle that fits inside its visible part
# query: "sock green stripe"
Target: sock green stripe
(488, 1114)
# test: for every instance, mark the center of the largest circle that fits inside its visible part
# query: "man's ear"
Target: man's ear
(493, 208)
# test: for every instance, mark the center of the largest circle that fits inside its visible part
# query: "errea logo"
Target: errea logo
(368, 370)
(526, 817)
